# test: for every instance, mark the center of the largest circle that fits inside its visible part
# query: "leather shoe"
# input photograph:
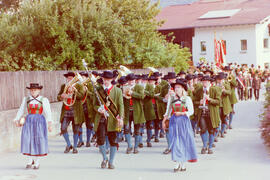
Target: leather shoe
(111, 166)
(80, 144)
(104, 164)
(177, 169)
(68, 148)
(203, 151)
(183, 169)
(141, 145)
(149, 144)
(88, 144)
(75, 151)
(156, 140)
(167, 151)
(36, 167)
(135, 151)
(129, 150)
(28, 166)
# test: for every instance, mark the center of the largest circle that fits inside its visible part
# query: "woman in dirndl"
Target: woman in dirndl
(180, 108)
(34, 136)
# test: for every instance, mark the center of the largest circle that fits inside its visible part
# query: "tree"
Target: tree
(54, 35)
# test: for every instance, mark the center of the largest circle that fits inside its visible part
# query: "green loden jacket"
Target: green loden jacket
(233, 84)
(137, 100)
(149, 111)
(77, 106)
(214, 103)
(162, 89)
(117, 98)
(226, 103)
(89, 101)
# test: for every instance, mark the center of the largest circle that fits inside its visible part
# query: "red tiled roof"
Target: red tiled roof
(187, 16)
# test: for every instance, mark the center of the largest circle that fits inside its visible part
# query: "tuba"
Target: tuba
(70, 90)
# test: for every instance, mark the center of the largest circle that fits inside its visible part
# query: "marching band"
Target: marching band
(120, 103)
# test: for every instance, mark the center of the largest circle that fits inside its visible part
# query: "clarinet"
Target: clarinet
(106, 114)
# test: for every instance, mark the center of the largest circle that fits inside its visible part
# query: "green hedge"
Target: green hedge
(265, 123)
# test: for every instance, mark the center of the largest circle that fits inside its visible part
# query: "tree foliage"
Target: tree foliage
(55, 35)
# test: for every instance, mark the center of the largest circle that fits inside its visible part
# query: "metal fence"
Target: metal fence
(13, 85)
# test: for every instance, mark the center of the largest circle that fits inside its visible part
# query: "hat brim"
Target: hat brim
(67, 75)
(179, 83)
(39, 87)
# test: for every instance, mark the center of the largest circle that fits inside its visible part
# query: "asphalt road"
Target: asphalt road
(241, 155)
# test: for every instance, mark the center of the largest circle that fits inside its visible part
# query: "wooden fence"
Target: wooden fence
(13, 85)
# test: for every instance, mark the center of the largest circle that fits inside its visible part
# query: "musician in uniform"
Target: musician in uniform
(166, 91)
(88, 110)
(105, 122)
(256, 85)
(190, 91)
(34, 137)
(71, 114)
(208, 115)
(149, 107)
(233, 99)
(136, 113)
(122, 81)
(225, 105)
(159, 105)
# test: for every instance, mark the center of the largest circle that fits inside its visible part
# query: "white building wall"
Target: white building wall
(263, 54)
(233, 36)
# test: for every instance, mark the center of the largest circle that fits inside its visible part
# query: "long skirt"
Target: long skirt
(34, 138)
(182, 139)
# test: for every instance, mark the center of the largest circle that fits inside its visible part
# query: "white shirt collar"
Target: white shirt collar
(109, 87)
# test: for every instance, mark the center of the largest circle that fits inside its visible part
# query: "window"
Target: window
(203, 46)
(243, 45)
(265, 43)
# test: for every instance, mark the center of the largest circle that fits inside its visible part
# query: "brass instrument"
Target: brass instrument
(152, 70)
(70, 89)
(230, 78)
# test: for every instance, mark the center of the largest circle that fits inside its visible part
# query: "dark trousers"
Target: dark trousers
(240, 93)
(257, 94)
(65, 123)
(250, 93)
(102, 133)
(205, 123)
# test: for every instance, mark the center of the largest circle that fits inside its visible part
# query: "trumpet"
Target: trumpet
(70, 89)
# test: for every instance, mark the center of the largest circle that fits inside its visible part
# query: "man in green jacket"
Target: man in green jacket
(123, 85)
(166, 91)
(208, 112)
(233, 83)
(136, 112)
(71, 114)
(105, 123)
(149, 110)
(225, 105)
(89, 112)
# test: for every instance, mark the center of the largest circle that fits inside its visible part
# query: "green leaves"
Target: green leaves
(55, 35)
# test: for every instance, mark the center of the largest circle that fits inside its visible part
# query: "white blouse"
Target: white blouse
(189, 105)
(45, 105)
